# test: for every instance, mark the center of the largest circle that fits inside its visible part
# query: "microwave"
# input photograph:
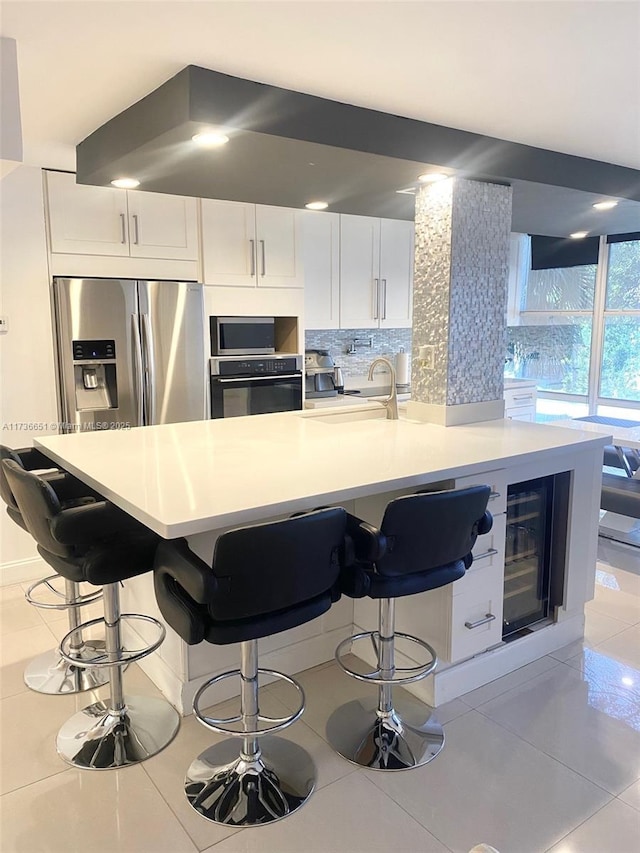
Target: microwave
(242, 335)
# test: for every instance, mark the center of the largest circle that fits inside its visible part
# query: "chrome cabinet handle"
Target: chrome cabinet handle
(248, 379)
(264, 264)
(493, 495)
(252, 243)
(523, 397)
(376, 299)
(488, 618)
(384, 298)
(123, 229)
(137, 358)
(482, 556)
(136, 235)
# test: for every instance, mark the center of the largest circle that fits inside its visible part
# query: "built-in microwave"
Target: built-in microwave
(242, 335)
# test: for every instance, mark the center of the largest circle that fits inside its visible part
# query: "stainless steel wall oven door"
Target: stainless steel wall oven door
(255, 385)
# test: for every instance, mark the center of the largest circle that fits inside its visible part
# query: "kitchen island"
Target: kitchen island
(197, 479)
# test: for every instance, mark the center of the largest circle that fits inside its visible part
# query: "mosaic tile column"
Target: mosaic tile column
(459, 301)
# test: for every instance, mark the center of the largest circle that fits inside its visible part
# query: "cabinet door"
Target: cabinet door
(279, 247)
(359, 272)
(396, 273)
(229, 243)
(86, 220)
(321, 264)
(162, 226)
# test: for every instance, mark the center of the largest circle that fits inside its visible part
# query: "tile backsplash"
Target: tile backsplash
(385, 342)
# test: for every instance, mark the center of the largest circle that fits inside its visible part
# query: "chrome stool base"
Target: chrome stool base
(229, 789)
(51, 673)
(408, 736)
(98, 738)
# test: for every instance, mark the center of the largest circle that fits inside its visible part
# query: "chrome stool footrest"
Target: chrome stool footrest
(105, 659)
(64, 604)
(411, 673)
(225, 725)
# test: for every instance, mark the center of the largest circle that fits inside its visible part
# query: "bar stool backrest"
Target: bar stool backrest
(38, 505)
(431, 530)
(5, 489)
(270, 567)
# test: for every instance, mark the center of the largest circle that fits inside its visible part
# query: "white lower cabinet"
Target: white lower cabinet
(520, 402)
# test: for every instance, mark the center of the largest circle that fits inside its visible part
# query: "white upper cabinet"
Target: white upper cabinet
(376, 272)
(251, 245)
(229, 242)
(89, 220)
(86, 220)
(396, 273)
(321, 261)
(162, 226)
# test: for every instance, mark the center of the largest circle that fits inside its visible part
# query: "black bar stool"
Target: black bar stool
(102, 545)
(264, 579)
(424, 542)
(50, 672)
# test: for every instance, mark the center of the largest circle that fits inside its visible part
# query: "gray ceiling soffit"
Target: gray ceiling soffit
(360, 156)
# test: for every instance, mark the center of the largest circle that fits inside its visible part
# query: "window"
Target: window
(620, 360)
(579, 331)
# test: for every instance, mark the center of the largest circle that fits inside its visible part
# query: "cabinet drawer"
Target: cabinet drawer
(515, 398)
(488, 554)
(526, 413)
(497, 480)
(476, 615)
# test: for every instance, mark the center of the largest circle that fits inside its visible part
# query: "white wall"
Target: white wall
(27, 377)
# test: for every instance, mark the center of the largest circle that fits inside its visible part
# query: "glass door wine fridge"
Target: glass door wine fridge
(527, 571)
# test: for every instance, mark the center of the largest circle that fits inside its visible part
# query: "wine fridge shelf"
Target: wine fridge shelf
(513, 592)
(527, 570)
(522, 499)
(522, 555)
(520, 518)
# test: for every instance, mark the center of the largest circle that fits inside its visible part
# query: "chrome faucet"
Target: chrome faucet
(391, 403)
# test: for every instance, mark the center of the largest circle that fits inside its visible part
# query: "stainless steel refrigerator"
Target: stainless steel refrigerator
(130, 353)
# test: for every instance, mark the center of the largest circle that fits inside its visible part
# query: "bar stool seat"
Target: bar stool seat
(49, 672)
(424, 542)
(102, 545)
(263, 580)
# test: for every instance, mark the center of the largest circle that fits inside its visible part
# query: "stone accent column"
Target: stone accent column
(460, 301)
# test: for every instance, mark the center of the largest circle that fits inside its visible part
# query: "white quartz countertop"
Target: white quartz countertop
(182, 479)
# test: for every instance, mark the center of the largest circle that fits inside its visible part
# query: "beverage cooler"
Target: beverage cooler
(532, 553)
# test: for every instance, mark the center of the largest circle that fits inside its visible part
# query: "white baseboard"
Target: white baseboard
(19, 571)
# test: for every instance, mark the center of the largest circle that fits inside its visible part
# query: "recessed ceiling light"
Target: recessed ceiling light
(126, 183)
(210, 138)
(317, 205)
(578, 235)
(605, 205)
(432, 177)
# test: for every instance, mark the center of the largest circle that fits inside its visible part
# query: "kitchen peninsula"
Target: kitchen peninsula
(197, 479)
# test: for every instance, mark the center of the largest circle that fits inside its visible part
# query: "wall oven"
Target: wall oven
(255, 385)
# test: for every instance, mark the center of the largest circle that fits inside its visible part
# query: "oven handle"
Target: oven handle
(258, 378)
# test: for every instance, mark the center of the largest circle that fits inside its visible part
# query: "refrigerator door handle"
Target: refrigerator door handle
(150, 384)
(137, 366)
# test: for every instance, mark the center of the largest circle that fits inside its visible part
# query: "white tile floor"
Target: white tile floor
(546, 758)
